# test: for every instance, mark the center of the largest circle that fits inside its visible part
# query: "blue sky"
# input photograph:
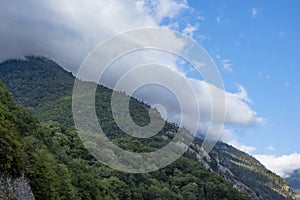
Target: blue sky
(260, 38)
(254, 43)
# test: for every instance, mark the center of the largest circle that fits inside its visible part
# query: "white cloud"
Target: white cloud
(64, 30)
(161, 9)
(281, 165)
(261, 75)
(242, 94)
(226, 65)
(172, 25)
(203, 38)
(254, 12)
(189, 30)
(238, 111)
(67, 30)
(201, 18)
(237, 108)
(245, 148)
(230, 138)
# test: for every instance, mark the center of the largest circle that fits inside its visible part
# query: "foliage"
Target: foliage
(53, 158)
(11, 155)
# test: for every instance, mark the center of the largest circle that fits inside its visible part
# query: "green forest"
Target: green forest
(58, 166)
(39, 140)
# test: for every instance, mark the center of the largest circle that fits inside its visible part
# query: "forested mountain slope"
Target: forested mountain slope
(43, 85)
(54, 162)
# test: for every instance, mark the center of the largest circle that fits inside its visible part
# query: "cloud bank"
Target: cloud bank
(64, 30)
(282, 165)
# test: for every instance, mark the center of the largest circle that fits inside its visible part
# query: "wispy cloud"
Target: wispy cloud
(270, 148)
(262, 75)
(242, 94)
(190, 29)
(201, 18)
(202, 37)
(226, 65)
(245, 148)
(161, 9)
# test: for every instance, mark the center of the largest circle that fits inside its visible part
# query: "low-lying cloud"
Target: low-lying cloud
(282, 165)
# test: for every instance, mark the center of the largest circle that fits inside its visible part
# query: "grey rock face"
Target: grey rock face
(15, 188)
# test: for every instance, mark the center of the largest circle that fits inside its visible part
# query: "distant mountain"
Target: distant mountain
(294, 180)
(42, 84)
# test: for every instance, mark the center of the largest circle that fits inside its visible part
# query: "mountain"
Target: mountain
(50, 162)
(42, 84)
(247, 174)
(294, 180)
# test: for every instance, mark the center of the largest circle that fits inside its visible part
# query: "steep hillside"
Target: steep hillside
(245, 172)
(242, 171)
(13, 185)
(58, 167)
(27, 166)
